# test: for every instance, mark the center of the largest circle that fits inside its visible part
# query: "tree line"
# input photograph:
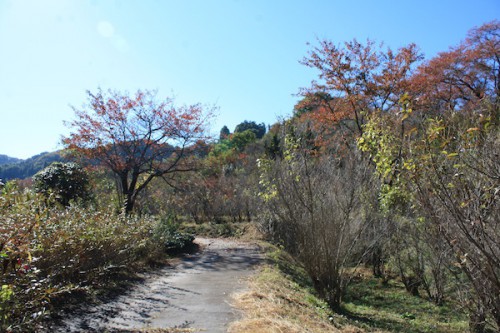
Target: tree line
(393, 161)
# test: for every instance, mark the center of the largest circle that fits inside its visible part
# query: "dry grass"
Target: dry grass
(273, 303)
(154, 330)
(251, 233)
(279, 299)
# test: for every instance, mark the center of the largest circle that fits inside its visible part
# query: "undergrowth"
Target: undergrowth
(389, 307)
(281, 298)
(222, 229)
(51, 256)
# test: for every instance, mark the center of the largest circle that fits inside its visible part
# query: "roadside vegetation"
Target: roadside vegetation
(53, 256)
(392, 163)
(373, 305)
(281, 298)
(383, 189)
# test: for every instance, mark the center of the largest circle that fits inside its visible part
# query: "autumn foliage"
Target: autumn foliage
(137, 137)
(357, 79)
(463, 76)
(388, 161)
(428, 131)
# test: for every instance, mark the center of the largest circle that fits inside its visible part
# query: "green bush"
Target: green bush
(167, 234)
(67, 181)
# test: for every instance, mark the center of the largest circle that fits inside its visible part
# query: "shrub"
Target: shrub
(315, 207)
(67, 181)
(47, 253)
(167, 234)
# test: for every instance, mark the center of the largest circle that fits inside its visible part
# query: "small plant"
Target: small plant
(167, 233)
(5, 297)
(408, 315)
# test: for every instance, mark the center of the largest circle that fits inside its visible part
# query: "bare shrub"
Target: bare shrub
(314, 207)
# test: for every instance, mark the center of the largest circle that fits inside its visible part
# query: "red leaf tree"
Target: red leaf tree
(357, 79)
(464, 76)
(138, 138)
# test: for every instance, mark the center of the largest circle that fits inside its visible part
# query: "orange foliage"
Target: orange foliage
(463, 76)
(136, 137)
(359, 78)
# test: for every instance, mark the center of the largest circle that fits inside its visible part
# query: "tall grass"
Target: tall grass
(47, 252)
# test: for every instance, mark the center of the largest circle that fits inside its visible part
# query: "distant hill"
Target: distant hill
(21, 169)
(4, 159)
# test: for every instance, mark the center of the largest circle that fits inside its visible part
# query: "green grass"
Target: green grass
(371, 305)
(212, 229)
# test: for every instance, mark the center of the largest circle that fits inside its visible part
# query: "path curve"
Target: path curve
(193, 294)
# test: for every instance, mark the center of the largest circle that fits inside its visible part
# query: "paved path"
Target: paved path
(193, 294)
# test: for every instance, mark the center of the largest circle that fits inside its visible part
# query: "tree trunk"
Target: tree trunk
(477, 321)
(412, 283)
(129, 191)
(129, 204)
(377, 262)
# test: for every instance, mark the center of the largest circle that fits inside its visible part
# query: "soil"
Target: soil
(194, 294)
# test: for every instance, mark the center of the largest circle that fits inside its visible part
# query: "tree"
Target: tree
(312, 102)
(240, 140)
(233, 144)
(258, 129)
(137, 137)
(357, 79)
(461, 78)
(224, 133)
(68, 181)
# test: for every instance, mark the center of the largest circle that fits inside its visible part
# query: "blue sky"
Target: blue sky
(241, 55)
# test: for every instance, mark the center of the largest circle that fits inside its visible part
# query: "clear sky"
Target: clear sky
(241, 55)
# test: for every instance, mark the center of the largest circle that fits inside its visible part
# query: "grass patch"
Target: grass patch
(371, 305)
(276, 304)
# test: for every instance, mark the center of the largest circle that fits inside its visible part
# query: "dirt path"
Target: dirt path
(193, 294)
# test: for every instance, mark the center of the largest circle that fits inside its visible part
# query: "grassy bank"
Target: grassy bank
(390, 308)
(280, 298)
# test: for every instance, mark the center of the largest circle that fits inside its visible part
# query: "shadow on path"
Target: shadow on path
(192, 294)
